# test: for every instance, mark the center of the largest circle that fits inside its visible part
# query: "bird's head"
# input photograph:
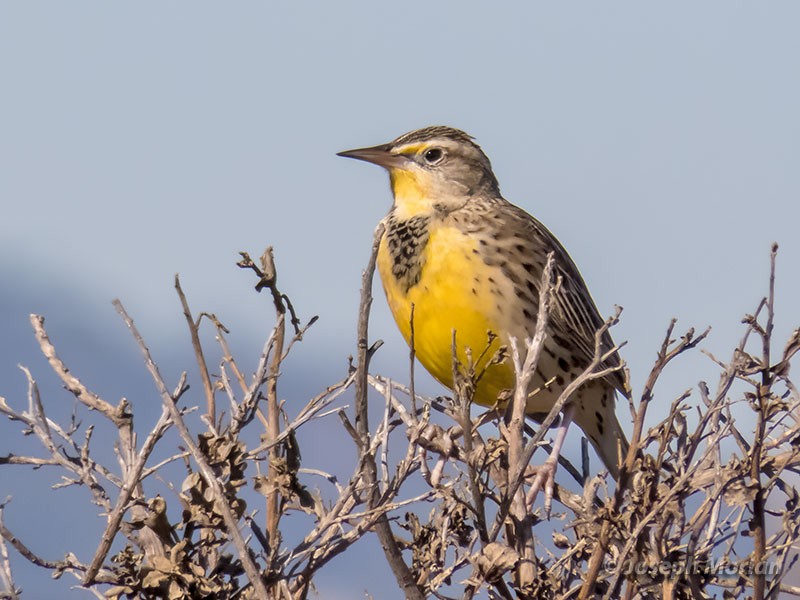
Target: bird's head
(432, 169)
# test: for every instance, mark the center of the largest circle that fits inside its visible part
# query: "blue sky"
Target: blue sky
(659, 142)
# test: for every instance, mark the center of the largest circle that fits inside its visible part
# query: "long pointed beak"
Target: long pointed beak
(378, 155)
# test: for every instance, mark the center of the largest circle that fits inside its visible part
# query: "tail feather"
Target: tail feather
(612, 446)
(596, 415)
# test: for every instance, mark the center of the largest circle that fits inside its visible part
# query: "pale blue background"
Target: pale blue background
(660, 142)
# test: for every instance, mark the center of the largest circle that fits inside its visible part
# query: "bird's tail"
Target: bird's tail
(605, 433)
(613, 448)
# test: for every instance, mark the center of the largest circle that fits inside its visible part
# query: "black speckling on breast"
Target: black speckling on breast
(406, 241)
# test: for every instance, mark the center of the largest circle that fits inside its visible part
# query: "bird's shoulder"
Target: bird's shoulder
(504, 223)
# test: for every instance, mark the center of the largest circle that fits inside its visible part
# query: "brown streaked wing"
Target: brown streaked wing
(575, 317)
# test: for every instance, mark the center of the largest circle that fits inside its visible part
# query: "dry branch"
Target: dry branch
(695, 500)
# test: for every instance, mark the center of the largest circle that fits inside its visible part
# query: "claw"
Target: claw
(545, 477)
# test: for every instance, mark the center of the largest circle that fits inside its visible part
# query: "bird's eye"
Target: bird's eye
(433, 155)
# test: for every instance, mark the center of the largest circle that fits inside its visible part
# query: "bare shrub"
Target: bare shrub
(704, 506)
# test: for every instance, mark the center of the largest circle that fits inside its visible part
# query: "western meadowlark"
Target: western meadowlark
(469, 261)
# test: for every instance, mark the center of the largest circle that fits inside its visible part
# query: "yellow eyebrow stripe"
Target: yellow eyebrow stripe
(413, 148)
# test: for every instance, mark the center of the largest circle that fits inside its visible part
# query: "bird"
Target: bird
(466, 264)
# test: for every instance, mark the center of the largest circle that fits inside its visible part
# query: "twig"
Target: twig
(764, 399)
(38, 422)
(231, 523)
(133, 476)
(193, 326)
(9, 588)
(117, 414)
(382, 527)
(665, 356)
(270, 280)
(525, 370)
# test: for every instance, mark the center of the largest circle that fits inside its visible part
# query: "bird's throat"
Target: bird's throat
(411, 194)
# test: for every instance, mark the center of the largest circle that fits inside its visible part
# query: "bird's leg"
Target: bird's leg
(546, 474)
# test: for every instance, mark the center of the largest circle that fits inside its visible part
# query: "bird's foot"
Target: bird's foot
(544, 479)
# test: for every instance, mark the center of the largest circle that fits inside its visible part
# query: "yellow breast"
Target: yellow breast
(456, 291)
